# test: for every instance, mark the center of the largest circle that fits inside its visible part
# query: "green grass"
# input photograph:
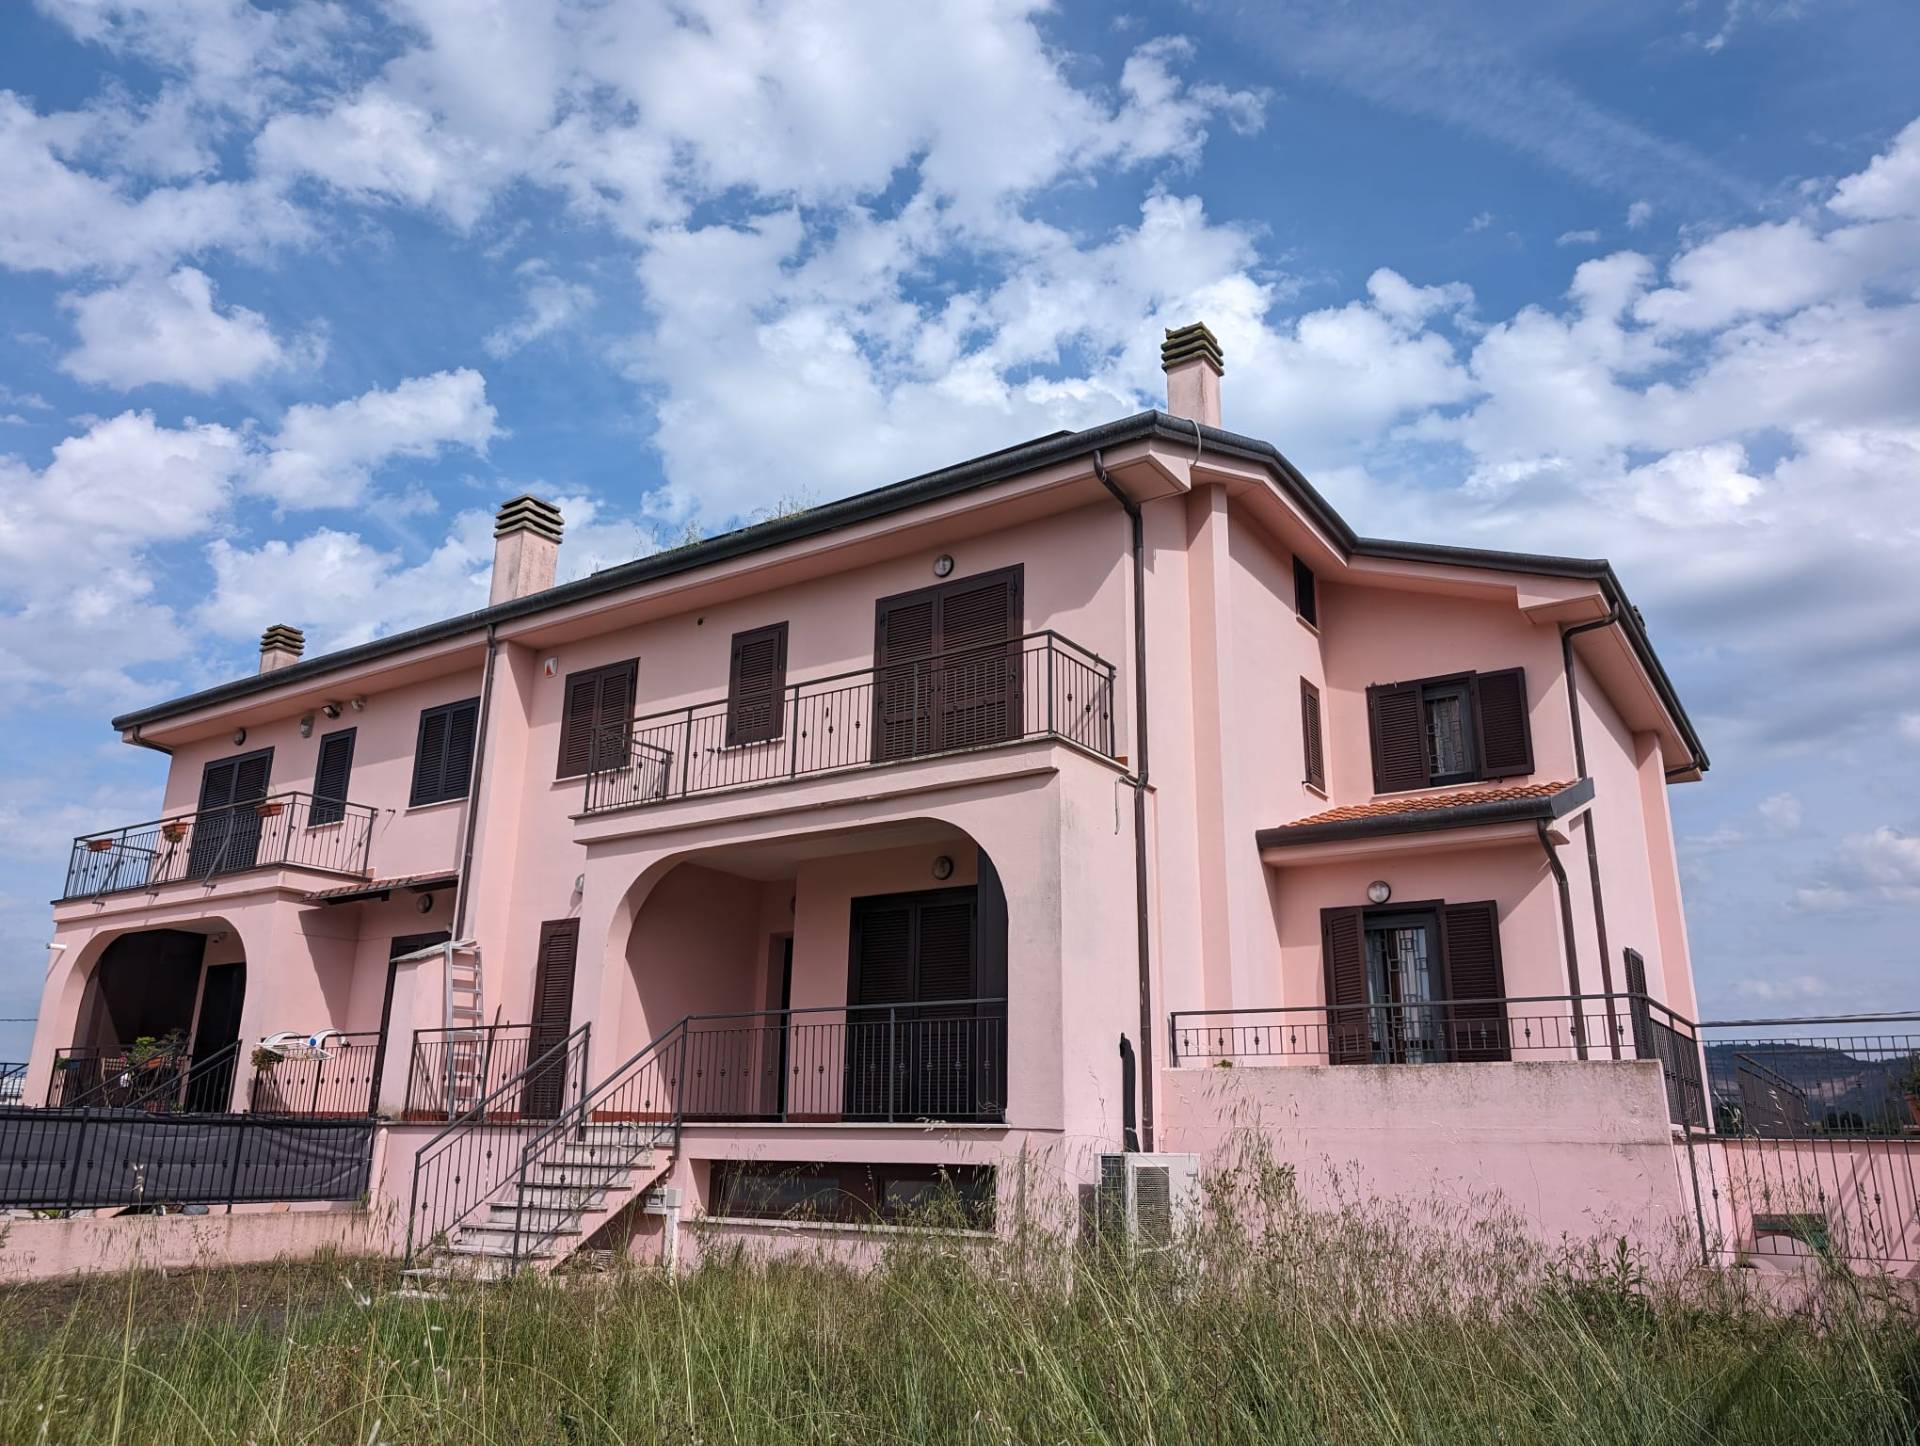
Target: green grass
(1364, 1325)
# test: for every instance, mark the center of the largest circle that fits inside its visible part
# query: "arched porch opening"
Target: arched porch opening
(158, 1021)
(858, 975)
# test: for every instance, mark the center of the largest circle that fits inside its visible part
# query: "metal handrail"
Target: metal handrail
(908, 708)
(476, 1117)
(283, 831)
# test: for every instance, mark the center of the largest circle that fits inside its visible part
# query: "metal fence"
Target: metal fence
(13, 1081)
(161, 1082)
(1813, 1150)
(79, 1159)
(286, 830)
(338, 1076)
(1041, 685)
(450, 1071)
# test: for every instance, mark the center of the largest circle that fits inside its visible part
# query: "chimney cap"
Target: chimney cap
(527, 513)
(283, 637)
(1191, 342)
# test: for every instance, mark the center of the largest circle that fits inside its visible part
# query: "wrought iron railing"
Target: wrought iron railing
(336, 1076)
(166, 1082)
(467, 1163)
(1038, 686)
(13, 1081)
(451, 1070)
(1801, 1077)
(282, 830)
(1454, 1031)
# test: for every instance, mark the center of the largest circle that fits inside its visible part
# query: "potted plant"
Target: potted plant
(173, 830)
(270, 807)
(150, 1053)
(99, 845)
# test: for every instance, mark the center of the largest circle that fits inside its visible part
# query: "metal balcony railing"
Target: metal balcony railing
(337, 1077)
(1456, 1031)
(282, 830)
(1038, 686)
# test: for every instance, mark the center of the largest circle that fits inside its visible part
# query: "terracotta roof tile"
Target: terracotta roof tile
(369, 887)
(1430, 802)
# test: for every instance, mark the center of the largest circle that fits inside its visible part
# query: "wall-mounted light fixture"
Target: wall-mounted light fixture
(1379, 891)
(239, 736)
(359, 705)
(943, 565)
(332, 710)
(943, 867)
(424, 903)
(306, 726)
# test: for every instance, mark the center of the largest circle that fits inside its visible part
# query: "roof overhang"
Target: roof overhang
(1462, 825)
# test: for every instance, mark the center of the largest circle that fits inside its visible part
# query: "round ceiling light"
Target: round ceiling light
(1379, 891)
(943, 565)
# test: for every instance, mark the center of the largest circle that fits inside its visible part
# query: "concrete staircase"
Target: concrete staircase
(574, 1188)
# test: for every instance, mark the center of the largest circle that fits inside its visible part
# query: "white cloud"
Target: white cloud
(1781, 813)
(324, 456)
(1890, 185)
(167, 329)
(1877, 868)
(1908, 726)
(1480, 222)
(1639, 214)
(1783, 991)
(1576, 238)
(550, 305)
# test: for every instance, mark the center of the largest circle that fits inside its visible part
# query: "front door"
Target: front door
(1404, 984)
(911, 1049)
(210, 1080)
(226, 831)
(544, 1093)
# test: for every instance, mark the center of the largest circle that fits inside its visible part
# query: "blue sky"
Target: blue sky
(294, 294)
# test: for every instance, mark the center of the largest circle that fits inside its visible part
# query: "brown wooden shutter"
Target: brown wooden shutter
(1500, 716)
(944, 962)
(1312, 745)
(226, 836)
(882, 953)
(555, 958)
(596, 717)
(905, 635)
(756, 685)
(1399, 737)
(978, 682)
(580, 706)
(1470, 950)
(330, 776)
(429, 756)
(463, 727)
(1343, 957)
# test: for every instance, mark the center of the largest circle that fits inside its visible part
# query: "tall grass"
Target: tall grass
(1272, 1323)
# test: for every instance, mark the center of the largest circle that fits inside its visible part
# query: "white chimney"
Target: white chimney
(1190, 356)
(526, 547)
(281, 645)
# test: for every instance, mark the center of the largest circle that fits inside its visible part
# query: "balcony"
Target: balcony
(1038, 686)
(1455, 1031)
(282, 830)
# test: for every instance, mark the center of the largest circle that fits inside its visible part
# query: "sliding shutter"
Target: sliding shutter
(1399, 737)
(1470, 949)
(1500, 715)
(1343, 954)
(330, 777)
(756, 684)
(1312, 745)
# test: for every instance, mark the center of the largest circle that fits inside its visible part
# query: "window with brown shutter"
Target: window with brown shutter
(554, 961)
(330, 774)
(443, 752)
(1312, 747)
(1454, 729)
(1343, 957)
(596, 718)
(226, 836)
(1470, 949)
(756, 685)
(1306, 596)
(942, 677)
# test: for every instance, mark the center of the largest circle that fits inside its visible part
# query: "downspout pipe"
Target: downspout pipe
(461, 883)
(1566, 930)
(1567, 636)
(1143, 934)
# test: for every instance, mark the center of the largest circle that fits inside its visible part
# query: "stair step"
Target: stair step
(481, 1231)
(478, 1249)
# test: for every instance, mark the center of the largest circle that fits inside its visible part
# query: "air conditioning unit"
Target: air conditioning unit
(1142, 1199)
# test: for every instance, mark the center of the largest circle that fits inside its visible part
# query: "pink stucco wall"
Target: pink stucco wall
(1580, 1151)
(106, 1244)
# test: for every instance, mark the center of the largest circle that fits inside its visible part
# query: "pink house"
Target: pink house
(954, 832)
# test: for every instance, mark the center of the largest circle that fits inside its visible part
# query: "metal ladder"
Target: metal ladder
(469, 1042)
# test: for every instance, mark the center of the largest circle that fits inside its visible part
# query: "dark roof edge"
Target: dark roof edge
(933, 486)
(1476, 815)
